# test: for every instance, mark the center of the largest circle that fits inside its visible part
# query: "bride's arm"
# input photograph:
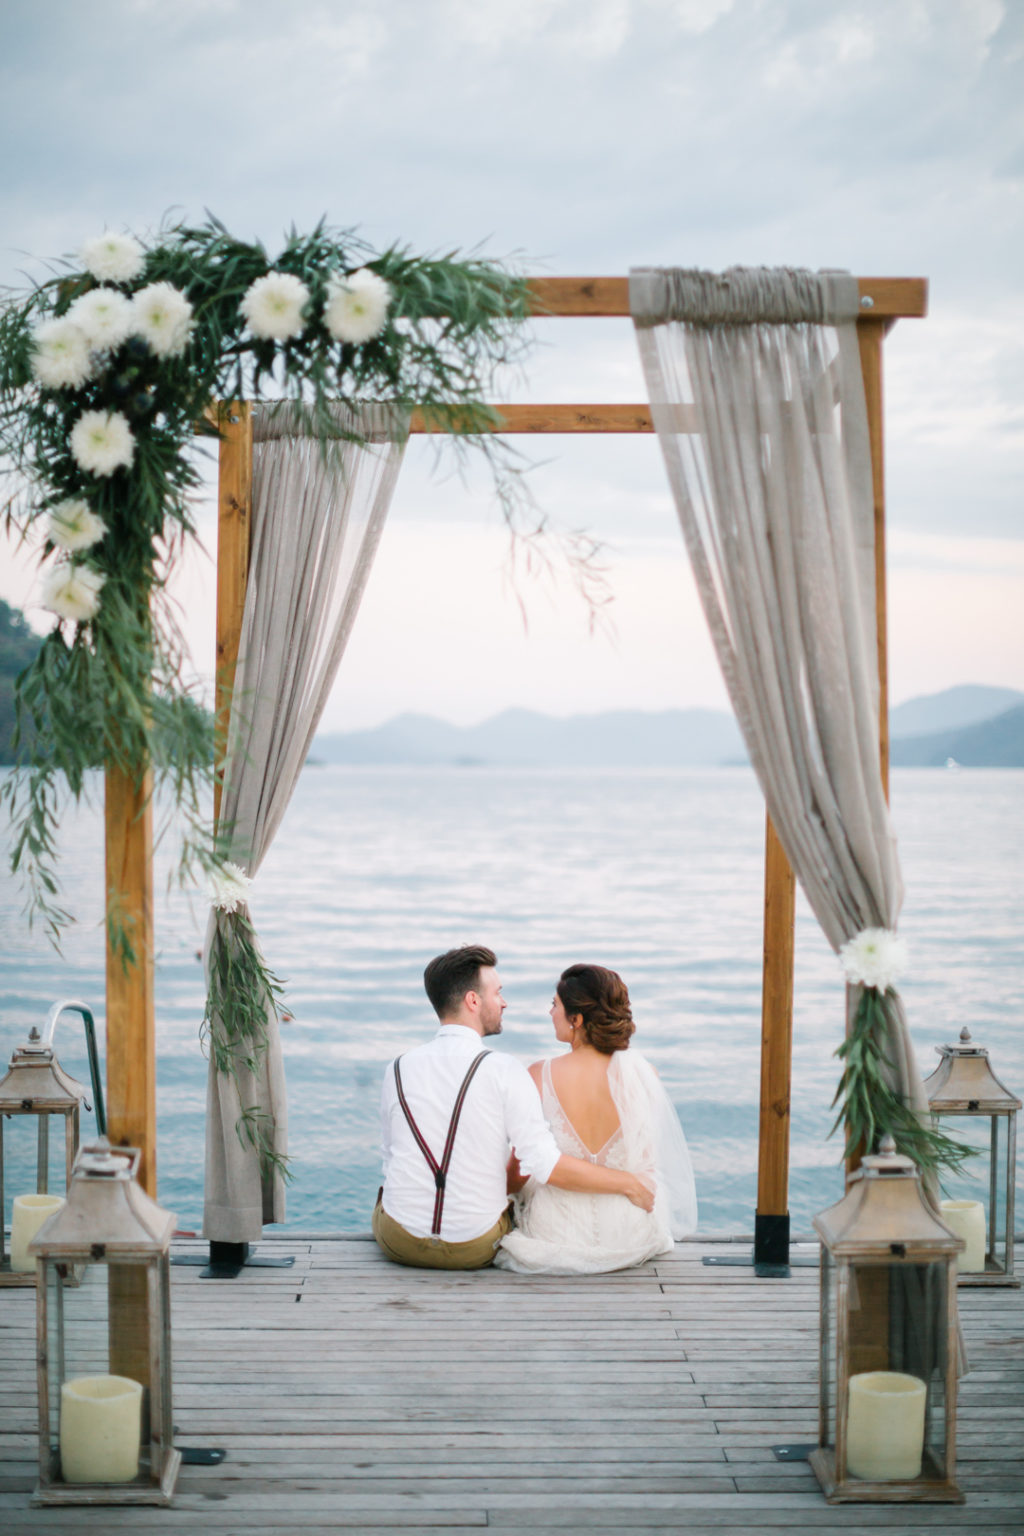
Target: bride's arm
(592, 1179)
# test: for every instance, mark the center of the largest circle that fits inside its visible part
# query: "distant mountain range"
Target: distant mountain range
(951, 709)
(18, 645)
(977, 726)
(995, 743)
(522, 738)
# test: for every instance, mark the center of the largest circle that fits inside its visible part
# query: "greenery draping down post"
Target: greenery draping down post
(774, 494)
(106, 371)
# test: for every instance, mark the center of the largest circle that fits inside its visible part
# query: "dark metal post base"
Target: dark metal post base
(769, 1258)
(771, 1239)
(227, 1260)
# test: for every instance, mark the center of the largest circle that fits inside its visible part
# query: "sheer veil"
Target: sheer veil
(654, 1142)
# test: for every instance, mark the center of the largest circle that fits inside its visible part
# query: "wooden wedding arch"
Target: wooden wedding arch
(131, 1032)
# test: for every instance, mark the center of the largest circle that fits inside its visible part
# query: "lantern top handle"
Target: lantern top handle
(886, 1163)
(100, 1160)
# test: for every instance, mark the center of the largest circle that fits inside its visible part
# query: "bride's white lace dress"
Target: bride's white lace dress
(559, 1231)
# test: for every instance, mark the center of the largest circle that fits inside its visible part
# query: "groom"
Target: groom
(451, 1109)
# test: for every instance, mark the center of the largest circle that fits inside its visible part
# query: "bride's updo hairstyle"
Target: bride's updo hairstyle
(601, 998)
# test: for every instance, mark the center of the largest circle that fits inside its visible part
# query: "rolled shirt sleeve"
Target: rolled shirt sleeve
(528, 1131)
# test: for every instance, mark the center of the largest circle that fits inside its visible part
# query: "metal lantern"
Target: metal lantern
(887, 1420)
(976, 1108)
(35, 1092)
(103, 1320)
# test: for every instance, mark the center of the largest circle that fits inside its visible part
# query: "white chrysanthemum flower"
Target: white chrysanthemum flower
(113, 258)
(357, 306)
(102, 441)
(74, 526)
(105, 315)
(274, 306)
(73, 592)
(875, 957)
(162, 316)
(60, 355)
(228, 887)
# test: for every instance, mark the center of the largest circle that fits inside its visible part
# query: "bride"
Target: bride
(604, 1102)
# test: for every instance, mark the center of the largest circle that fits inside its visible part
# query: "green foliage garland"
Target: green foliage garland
(870, 1108)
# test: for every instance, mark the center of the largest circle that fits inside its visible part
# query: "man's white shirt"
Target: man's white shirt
(501, 1110)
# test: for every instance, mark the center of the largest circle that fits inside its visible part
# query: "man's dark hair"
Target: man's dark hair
(450, 976)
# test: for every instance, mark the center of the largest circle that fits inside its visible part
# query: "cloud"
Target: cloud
(592, 134)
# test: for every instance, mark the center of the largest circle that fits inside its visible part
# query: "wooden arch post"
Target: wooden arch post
(131, 1027)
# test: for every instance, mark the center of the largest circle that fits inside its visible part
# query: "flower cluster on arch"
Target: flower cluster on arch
(104, 335)
(109, 368)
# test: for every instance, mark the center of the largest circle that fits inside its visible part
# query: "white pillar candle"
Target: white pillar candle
(966, 1219)
(30, 1211)
(885, 1426)
(100, 1424)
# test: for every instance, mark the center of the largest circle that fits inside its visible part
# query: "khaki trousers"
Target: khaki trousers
(398, 1245)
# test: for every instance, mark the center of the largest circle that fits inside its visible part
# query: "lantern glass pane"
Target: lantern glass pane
(34, 1156)
(85, 1340)
(828, 1348)
(984, 1177)
(898, 1324)
(998, 1229)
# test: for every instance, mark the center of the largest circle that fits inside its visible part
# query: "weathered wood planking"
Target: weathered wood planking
(353, 1395)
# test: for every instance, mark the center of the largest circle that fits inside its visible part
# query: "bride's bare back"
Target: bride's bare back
(580, 1079)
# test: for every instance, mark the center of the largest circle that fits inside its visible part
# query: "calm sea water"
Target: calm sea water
(657, 874)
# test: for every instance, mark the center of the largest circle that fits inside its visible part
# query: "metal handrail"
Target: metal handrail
(70, 1004)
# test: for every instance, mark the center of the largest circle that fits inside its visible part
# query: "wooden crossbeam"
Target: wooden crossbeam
(881, 297)
(518, 419)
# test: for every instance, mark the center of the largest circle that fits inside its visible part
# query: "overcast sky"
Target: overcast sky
(587, 136)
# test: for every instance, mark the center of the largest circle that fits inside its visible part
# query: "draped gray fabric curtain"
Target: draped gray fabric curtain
(316, 523)
(757, 397)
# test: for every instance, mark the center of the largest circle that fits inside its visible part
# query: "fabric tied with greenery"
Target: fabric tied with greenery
(757, 396)
(108, 371)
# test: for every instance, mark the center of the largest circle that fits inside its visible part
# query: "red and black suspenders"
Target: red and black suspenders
(438, 1169)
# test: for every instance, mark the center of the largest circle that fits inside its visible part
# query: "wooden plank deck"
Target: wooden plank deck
(353, 1395)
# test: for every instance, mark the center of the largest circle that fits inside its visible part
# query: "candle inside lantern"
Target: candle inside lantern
(885, 1426)
(30, 1211)
(967, 1219)
(100, 1426)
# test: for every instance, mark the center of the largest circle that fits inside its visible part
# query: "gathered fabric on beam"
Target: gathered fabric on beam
(317, 516)
(774, 493)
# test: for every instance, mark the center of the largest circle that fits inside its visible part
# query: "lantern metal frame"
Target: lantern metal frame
(108, 1221)
(964, 1085)
(37, 1085)
(883, 1222)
